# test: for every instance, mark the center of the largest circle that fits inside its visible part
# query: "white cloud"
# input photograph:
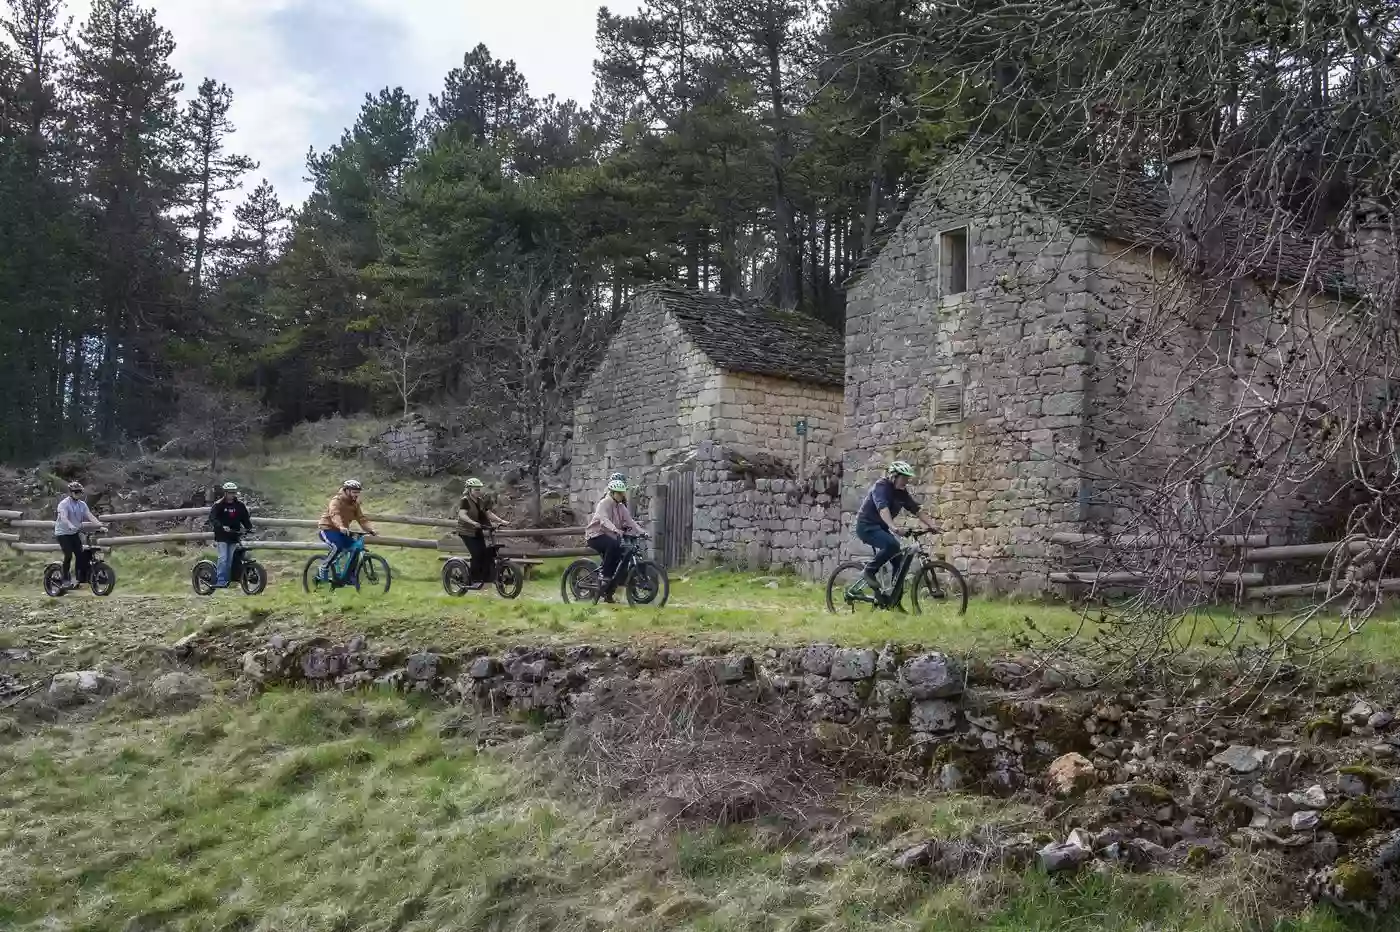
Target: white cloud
(299, 69)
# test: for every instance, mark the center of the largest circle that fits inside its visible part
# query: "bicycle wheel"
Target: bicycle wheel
(254, 578)
(847, 590)
(940, 587)
(373, 574)
(456, 576)
(102, 578)
(580, 582)
(648, 585)
(202, 577)
(310, 576)
(510, 579)
(53, 580)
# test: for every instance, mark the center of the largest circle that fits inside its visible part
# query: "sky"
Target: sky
(300, 69)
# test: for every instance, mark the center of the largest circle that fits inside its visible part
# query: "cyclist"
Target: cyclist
(474, 515)
(611, 520)
(73, 513)
(229, 517)
(884, 502)
(335, 523)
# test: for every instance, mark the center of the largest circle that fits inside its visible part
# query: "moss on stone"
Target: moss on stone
(1356, 881)
(1324, 728)
(864, 690)
(1352, 818)
(1198, 856)
(1153, 793)
(1372, 775)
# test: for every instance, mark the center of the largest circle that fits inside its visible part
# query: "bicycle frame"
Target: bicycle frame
(909, 555)
(353, 553)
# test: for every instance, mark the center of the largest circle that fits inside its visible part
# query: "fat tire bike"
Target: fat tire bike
(935, 583)
(644, 581)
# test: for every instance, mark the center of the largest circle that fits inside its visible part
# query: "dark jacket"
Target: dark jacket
(229, 520)
(883, 494)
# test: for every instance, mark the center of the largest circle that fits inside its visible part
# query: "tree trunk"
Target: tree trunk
(783, 214)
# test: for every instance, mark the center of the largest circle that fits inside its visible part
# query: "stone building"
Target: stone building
(734, 408)
(1001, 339)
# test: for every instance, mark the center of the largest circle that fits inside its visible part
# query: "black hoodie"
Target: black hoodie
(231, 515)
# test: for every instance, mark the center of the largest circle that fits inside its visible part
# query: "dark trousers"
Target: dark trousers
(610, 549)
(481, 558)
(886, 545)
(73, 550)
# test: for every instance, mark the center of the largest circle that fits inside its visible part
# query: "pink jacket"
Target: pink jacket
(612, 519)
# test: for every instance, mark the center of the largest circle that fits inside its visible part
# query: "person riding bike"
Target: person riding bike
(73, 513)
(474, 516)
(611, 520)
(884, 502)
(335, 523)
(229, 517)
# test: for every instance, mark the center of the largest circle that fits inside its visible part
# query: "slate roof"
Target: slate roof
(1116, 204)
(743, 335)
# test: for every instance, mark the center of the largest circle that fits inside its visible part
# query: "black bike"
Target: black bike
(248, 573)
(353, 566)
(936, 582)
(644, 582)
(508, 577)
(100, 577)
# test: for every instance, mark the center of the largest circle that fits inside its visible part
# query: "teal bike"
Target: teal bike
(355, 566)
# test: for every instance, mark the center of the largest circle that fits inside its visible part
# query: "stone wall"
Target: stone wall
(767, 521)
(1004, 476)
(654, 397)
(760, 413)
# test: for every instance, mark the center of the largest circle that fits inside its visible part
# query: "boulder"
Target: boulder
(933, 715)
(1305, 820)
(1071, 775)
(932, 676)
(817, 659)
(1064, 856)
(79, 687)
(1241, 759)
(422, 667)
(178, 686)
(853, 665)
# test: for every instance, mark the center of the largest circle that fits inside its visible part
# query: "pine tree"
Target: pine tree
(213, 173)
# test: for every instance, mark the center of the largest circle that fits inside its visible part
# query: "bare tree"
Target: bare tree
(536, 347)
(212, 421)
(407, 355)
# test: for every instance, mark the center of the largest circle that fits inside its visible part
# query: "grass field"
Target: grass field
(299, 811)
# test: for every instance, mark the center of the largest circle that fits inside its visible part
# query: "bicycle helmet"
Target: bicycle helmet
(901, 468)
(352, 484)
(617, 485)
(75, 486)
(474, 483)
(618, 477)
(230, 487)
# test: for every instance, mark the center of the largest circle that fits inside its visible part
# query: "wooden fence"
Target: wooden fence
(13, 524)
(1250, 552)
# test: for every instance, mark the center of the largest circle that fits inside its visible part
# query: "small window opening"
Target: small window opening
(947, 405)
(953, 259)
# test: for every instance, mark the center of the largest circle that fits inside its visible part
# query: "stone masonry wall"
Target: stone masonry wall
(654, 396)
(761, 413)
(1005, 476)
(765, 523)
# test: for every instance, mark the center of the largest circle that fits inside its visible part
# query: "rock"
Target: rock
(1071, 775)
(887, 663)
(1142, 854)
(1059, 857)
(920, 855)
(178, 686)
(853, 665)
(951, 778)
(1241, 759)
(932, 676)
(934, 715)
(74, 688)
(1359, 714)
(1305, 820)
(817, 659)
(1351, 785)
(1380, 720)
(1314, 797)
(1366, 881)
(483, 668)
(357, 644)
(422, 667)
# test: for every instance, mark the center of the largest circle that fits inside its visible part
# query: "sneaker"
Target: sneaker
(871, 580)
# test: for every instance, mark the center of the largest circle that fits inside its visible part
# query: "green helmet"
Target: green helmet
(617, 485)
(901, 468)
(475, 483)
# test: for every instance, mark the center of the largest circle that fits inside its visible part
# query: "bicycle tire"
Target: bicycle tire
(53, 581)
(836, 604)
(954, 585)
(102, 579)
(254, 579)
(660, 591)
(370, 570)
(568, 589)
(510, 580)
(202, 577)
(456, 577)
(309, 582)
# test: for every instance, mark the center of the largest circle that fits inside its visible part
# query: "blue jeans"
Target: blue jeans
(225, 566)
(886, 545)
(338, 544)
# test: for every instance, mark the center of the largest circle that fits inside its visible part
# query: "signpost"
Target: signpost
(802, 449)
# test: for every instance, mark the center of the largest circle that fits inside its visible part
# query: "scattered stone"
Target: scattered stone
(1314, 797)
(1241, 759)
(921, 855)
(934, 715)
(1366, 881)
(1305, 820)
(1359, 714)
(1059, 857)
(483, 668)
(737, 668)
(1071, 774)
(951, 778)
(1380, 720)
(179, 687)
(74, 688)
(817, 659)
(422, 667)
(849, 665)
(932, 676)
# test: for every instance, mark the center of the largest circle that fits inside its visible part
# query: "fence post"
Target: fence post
(660, 496)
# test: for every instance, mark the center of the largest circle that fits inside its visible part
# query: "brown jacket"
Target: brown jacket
(340, 512)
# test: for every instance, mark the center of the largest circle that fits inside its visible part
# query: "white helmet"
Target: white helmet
(352, 484)
(230, 487)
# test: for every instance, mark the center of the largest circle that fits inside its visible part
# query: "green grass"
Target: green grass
(327, 812)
